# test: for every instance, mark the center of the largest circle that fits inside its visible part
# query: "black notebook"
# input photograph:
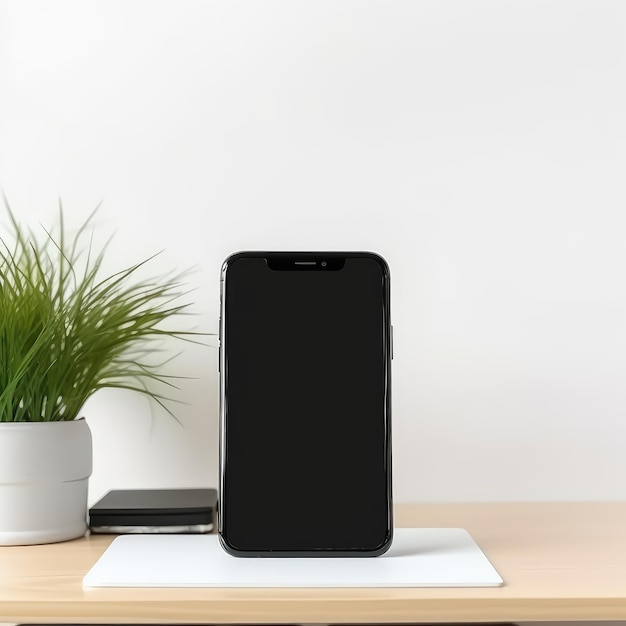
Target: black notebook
(154, 511)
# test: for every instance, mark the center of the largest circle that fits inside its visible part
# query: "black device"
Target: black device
(154, 511)
(305, 434)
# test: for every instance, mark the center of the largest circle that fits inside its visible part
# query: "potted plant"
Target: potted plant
(65, 333)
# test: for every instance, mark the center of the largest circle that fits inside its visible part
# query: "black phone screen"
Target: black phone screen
(305, 451)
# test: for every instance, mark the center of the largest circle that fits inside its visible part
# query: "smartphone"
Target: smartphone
(305, 404)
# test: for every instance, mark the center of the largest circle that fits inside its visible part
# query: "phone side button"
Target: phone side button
(219, 357)
(392, 341)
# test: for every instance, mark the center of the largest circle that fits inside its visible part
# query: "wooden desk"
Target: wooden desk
(559, 562)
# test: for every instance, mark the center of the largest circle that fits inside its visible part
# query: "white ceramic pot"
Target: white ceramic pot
(44, 474)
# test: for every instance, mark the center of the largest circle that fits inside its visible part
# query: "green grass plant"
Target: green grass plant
(66, 332)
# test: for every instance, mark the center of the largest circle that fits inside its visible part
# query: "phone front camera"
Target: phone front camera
(323, 264)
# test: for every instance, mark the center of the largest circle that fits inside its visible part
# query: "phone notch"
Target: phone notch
(287, 263)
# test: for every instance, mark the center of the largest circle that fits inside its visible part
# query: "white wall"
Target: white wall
(480, 146)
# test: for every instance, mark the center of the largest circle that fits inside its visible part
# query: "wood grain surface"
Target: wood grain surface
(559, 561)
